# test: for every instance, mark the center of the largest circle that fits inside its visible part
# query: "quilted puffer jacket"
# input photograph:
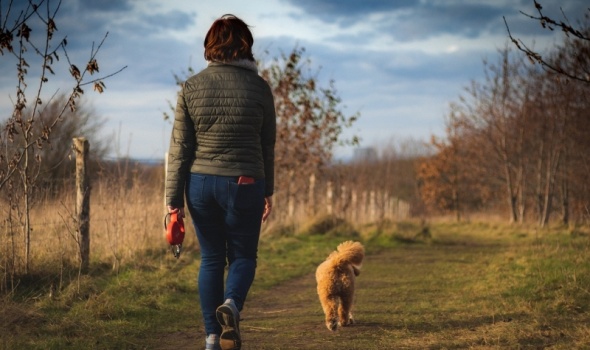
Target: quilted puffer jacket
(224, 124)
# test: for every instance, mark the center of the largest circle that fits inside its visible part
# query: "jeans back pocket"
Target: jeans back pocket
(246, 196)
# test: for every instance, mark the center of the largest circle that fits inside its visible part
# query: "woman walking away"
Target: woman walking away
(221, 158)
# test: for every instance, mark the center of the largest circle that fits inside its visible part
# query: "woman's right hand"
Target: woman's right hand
(267, 208)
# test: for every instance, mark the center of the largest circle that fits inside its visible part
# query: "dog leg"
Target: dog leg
(345, 310)
(330, 306)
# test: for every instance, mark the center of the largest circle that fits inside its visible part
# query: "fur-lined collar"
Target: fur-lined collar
(251, 65)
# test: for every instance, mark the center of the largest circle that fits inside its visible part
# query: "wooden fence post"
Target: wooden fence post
(372, 207)
(364, 207)
(311, 209)
(354, 207)
(81, 148)
(291, 194)
(329, 197)
(343, 207)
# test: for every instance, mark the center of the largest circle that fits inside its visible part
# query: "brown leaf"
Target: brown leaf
(75, 72)
(24, 32)
(99, 86)
(92, 66)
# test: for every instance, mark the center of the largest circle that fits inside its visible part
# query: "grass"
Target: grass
(423, 286)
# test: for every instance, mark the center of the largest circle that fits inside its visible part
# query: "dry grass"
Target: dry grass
(435, 284)
(125, 222)
(467, 286)
(470, 286)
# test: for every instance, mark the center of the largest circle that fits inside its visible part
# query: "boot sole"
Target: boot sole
(230, 337)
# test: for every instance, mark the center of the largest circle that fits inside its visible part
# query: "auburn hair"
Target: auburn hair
(228, 39)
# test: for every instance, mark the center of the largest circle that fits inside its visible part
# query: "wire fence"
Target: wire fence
(126, 218)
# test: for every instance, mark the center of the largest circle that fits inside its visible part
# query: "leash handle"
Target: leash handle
(174, 229)
(165, 217)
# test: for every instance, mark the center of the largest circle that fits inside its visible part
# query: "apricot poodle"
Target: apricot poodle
(335, 281)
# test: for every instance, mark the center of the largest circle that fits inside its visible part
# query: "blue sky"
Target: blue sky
(398, 63)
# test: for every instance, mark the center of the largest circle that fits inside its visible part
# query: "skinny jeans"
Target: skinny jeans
(227, 218)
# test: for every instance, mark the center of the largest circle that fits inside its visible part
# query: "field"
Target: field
(423, 286)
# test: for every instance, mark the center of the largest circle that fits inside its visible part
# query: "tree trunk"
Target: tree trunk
(552, 166)
(539, 184)
(510, 193)
(456, 205)
(521, 201)
(521, 176)
(27, 209)
(565, 208)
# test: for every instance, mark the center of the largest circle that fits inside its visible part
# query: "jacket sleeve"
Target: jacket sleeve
(268, 139)
(180, 153)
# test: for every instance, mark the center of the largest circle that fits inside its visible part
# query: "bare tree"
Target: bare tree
(56, 166)
(524, 141)
(559, 138)
(310, 119)
(576, 63)
(525, 129)
(26, 135)
(495, 111)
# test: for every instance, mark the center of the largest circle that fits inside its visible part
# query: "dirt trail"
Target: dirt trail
(395, 287)
(282, 306)
(290, 316)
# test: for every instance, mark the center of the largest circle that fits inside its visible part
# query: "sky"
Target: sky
(398, 63)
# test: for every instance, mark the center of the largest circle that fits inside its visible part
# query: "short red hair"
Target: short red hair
(228, 39)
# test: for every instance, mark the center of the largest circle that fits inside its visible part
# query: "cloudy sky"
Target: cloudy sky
(399, 63)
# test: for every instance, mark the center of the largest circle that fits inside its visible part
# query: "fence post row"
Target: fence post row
(346, 202)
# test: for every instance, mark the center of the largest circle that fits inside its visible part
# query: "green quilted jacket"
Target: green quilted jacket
(224, 124)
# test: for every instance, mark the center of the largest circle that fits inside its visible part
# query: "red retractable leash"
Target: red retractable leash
(174, 232)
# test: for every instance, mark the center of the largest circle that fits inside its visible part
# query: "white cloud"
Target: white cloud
(399, 67)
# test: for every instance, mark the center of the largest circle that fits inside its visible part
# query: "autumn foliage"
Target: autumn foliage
(517, 143)
(310, 120)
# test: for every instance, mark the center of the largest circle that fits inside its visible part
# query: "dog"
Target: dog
(335, 279)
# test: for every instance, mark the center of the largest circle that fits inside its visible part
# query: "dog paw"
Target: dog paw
(345, 323)
(332, 325)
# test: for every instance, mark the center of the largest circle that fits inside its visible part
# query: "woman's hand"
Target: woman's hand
(173, 210)
(267, 208)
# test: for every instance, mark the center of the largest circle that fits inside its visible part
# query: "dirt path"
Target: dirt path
(412, 297)
(407, 298)
(290, 316)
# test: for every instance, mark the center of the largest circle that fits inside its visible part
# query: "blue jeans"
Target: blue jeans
(227, 218)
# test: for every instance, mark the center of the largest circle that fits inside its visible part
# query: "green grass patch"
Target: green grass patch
(422, 286)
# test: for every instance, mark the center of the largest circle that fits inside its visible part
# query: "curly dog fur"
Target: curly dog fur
(335, 281)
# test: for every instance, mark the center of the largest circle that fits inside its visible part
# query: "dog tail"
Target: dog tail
(350, 253)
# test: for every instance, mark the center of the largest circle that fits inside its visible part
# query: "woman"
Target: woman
(222, 158)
